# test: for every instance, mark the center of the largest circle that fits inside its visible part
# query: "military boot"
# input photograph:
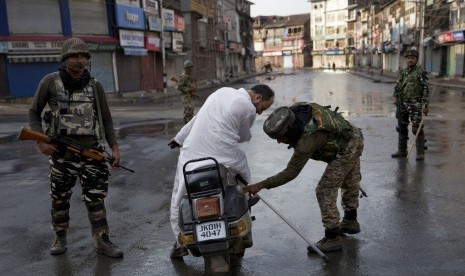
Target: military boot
(420, 147)
(349, 224)
(106, 247)
(402, 143)
(331, 242)
(399, 154)
(59, 244)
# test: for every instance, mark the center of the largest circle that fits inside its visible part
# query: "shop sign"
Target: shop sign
(16, 47)
(333, 52)
(152, 42)
(3, 47)
(154, 23)
(150, 6)
(168, 16)
(178, 42)
(179, 23)
(269, 54)
(134, 3)
(458, 35)
(167, 39)
(129, 17)
(131, 38)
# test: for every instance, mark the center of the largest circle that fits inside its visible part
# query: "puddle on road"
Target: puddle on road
(168, 129)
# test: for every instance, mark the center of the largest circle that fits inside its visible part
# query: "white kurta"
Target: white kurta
(216, 130)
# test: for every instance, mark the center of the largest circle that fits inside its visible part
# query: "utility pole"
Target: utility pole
(162, 42)
(422, 30)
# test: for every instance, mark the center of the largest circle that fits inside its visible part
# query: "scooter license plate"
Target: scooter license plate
(210, 230)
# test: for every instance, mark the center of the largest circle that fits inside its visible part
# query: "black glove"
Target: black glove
(173, 144)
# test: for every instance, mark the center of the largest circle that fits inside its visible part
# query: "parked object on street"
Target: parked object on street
(214, 215)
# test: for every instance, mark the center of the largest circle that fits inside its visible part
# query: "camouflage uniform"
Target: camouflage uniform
(329, 138)
(188, 87)
(80, 114)
(412, 95)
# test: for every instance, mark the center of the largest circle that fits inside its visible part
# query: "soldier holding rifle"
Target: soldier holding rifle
(78, 112)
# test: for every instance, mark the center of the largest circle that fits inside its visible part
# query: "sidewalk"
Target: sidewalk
(389, 77)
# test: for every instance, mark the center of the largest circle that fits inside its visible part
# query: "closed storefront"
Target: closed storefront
(25, 77)
(102, 69)
(33, 59)
(88, 16)
(34, 17)
(131, 22)
(129, 72)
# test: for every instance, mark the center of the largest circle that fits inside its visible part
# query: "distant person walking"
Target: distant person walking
(188, 88)
(411, 97)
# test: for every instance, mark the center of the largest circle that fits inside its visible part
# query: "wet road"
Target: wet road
(412, 221)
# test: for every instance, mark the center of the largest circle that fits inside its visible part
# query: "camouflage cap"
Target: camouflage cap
(411, 52)
(279, 121)
(74, 46)
(188, 64)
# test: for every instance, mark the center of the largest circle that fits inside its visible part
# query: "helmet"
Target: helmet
(74, 46)
(279, 121)
(410, 53)
(188, 64)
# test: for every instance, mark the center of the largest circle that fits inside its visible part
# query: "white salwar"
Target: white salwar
(216, 130)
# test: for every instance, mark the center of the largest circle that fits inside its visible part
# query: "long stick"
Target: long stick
(416, 136)
(419, 128)
(317, 250)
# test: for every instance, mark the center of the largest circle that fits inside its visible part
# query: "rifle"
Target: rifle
(176, 80)
(68, 146)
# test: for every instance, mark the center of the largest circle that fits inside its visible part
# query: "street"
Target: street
(411, 220)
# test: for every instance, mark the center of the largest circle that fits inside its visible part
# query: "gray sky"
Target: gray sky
(279, 7)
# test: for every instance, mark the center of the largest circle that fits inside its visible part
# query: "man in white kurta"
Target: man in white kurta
(216, 130)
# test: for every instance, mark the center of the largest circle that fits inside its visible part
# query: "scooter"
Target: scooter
(214, 216)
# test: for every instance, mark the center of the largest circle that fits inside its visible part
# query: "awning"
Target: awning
(129, 51)
(427, 40)
(173, 54)
(33, 58)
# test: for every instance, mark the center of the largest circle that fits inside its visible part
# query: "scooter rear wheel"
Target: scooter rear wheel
(217, 263)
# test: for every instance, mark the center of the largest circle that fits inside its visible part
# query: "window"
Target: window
(453, 17)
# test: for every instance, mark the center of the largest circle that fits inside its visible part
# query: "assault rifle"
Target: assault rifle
(69, 146)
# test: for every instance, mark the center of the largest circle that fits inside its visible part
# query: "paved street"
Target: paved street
(411, 223)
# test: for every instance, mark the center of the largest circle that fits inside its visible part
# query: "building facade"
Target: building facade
(135, 44)
(282, 41)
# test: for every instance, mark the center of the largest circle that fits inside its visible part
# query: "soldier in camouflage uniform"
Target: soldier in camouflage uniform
(188, 88)
(78, 112)
(411, 96)
(318, 133)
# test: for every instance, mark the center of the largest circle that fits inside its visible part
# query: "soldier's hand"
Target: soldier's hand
(252, 189)
(425, 110)
(47, 149)
(173, 144)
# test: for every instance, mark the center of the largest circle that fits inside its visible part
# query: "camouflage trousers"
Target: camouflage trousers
(188, 103)
(94, 182)
(411, 111)
(341, 173)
